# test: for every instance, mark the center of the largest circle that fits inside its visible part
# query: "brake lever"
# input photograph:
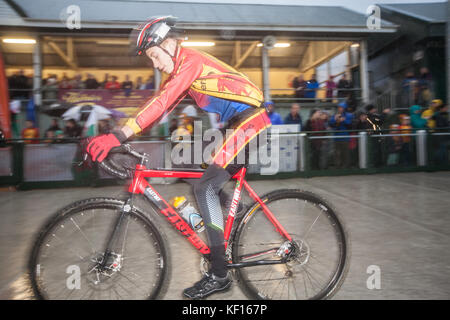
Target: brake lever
(85, 157)
(143, 157)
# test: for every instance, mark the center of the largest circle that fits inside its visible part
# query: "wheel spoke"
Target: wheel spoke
(273, 279)
(317, 273)
(116, 292)
(318, 261)
(84, 235)
(73, 251)
(307, 232)
(84, 294)
(305, 285)
(295, 288)
(131, 281)
(311, 277)
(118, 283)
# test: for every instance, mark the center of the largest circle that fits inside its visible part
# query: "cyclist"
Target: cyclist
(216, 87)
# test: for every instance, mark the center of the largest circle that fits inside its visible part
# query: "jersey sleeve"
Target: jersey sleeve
(188, 70)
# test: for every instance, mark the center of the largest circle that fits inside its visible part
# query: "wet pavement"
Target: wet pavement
(398, 226)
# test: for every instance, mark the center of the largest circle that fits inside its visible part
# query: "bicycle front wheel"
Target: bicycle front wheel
(315, 259)
(69, 261)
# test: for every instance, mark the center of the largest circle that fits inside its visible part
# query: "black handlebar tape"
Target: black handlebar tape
(108, 167)
(117, 170)
(119, 149)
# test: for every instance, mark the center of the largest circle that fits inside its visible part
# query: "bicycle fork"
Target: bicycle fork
(126, 209)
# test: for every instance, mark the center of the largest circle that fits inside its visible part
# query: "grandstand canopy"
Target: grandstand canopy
(234, 28)
(429, 12)
(207, 16)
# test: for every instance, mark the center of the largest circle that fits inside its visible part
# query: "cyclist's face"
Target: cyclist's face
(161, 60)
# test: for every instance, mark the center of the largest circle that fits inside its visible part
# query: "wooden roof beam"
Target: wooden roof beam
(246, 54)
(67, 59)
(311, 63)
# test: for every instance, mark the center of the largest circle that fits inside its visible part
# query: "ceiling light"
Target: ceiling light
(113, 42)
(355, 45)
(277, 45)
(282, 45)
(21, 41)
(197, 44)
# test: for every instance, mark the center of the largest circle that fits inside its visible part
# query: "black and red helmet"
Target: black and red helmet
(153, 33)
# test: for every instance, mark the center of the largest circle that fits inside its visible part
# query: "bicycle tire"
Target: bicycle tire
(251, 287)
(63, 215)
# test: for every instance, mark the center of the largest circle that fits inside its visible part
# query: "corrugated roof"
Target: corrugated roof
(6, 12)
(205, 15)
(435, 12)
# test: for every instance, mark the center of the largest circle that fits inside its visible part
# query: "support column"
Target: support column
(301, 152)
(265, 72)
(421, 148)
(37, 72)
(364, 72)
(349, 61)
(362, 150)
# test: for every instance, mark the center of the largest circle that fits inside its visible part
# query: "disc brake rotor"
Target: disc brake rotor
(98, 275)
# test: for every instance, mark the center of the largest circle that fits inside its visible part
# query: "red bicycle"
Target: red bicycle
(289, 244)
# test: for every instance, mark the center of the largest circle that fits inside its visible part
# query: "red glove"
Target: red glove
(100, 146)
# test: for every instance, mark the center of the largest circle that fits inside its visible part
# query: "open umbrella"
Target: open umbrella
(117, 114)
(89, 113)
(56, 109)
(82, 112)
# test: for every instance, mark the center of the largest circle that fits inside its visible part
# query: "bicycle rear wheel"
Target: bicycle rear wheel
(316, 257)
(66, 261)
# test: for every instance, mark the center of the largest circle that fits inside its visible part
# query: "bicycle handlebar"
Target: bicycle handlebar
(117, 170)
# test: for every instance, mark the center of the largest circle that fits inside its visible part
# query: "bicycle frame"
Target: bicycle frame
(141, 186)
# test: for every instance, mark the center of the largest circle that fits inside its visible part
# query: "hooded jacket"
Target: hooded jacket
(417, 121)
(343, 125)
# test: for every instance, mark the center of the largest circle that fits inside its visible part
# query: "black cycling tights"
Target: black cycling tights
(206, 191)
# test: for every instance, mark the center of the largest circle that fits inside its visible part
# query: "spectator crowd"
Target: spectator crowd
(51, 85)
(306, 90)
(20, 89)
(342, 149)
(345, 121)
(20, 85)
(59, 134)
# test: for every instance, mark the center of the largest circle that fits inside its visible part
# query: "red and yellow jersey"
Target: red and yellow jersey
(30, 133)
(405, 129)
(214, 85)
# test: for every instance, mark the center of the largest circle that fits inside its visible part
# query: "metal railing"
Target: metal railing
(279, 94)
(404, 96)
(50, 164)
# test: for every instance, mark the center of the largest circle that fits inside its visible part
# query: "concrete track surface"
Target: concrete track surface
(398, 224)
